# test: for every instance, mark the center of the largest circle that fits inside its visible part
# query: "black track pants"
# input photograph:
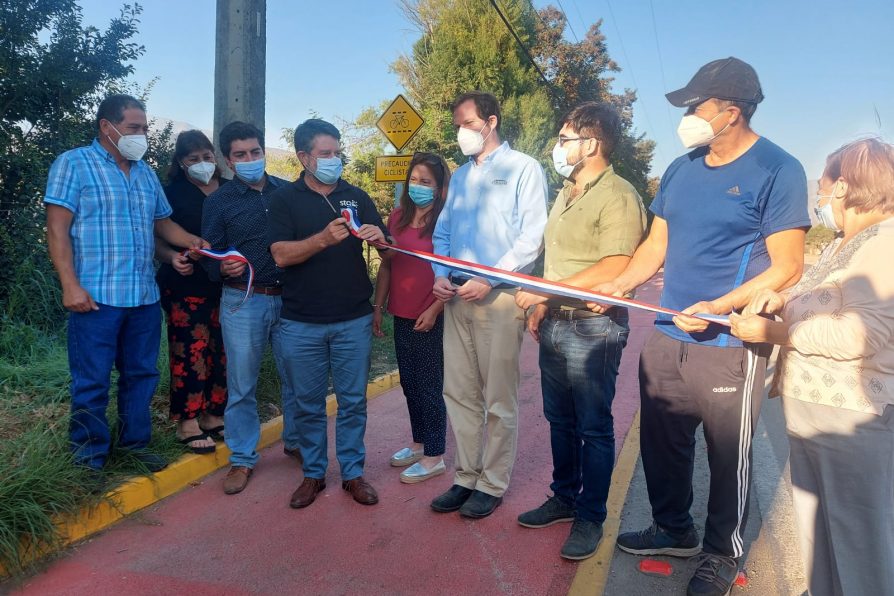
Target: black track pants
(684, 384)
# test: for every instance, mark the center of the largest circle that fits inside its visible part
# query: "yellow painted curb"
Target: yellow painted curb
(592, 574)
(141, 492)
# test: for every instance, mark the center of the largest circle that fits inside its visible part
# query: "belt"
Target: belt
(458, 281)
(265, 290)
(568, 314)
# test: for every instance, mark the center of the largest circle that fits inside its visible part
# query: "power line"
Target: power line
(580, 16)
(649, 124)
(522, 45)
(670, 120)
(568, 21)
(539, 16)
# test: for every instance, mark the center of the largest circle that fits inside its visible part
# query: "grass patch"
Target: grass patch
(39, 480)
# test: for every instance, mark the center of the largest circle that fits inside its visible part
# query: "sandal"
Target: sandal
(200, 450)
(216, 433)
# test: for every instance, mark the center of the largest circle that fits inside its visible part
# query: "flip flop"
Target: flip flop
(216, 432)
(199, 450)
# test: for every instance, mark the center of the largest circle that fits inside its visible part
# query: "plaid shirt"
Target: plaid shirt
(235, 215)
(112, 229)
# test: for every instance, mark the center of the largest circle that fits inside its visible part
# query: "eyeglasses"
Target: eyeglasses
(345, 160)
(563, 140)
(329, 154)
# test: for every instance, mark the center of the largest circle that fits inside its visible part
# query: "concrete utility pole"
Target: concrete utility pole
(240, 63)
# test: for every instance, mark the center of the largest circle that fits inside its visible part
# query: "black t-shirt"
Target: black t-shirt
(333, 285)
(186, 202)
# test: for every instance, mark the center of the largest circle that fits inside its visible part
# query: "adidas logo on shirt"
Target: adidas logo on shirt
(724, 389)
(734, 191)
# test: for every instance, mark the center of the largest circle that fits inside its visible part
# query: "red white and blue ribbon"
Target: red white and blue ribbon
(231, 254)
(528, 281)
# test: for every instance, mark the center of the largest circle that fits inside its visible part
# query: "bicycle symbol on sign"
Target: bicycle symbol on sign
(398, 122)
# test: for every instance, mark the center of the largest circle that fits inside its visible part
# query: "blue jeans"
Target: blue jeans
(246, 333)
(313, 351)
(128, 339)
(578, 366)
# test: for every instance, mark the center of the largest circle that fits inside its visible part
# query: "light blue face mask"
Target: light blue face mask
(250, 172)
(825, 213)
(328, 169)
(422, 196)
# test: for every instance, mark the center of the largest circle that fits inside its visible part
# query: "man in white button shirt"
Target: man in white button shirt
(495, 215)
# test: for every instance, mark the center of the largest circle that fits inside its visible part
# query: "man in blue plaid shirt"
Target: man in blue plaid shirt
(104, 208)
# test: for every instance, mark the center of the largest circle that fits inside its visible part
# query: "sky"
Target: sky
(825, 66)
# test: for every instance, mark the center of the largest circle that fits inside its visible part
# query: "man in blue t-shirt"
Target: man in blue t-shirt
(730, 218)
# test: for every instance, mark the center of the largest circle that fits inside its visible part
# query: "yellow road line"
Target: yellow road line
(592, 574)
(143, 491)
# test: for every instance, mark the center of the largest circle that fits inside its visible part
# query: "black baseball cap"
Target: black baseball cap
(727, 78)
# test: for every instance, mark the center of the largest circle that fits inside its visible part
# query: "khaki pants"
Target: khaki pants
(481, 345)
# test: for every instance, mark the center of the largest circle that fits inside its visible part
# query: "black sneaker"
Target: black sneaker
(657, 541)
(451, 500)
(714, 575)
(553, 511)
(583, 540)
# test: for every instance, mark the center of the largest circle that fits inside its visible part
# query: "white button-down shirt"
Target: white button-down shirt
(495, 213)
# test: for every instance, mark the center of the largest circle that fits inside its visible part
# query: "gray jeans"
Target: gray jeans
(842, 466)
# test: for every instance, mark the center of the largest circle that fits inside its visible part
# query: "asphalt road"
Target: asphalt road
(772, 564)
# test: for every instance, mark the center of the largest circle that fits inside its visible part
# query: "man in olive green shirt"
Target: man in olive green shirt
(593, 229)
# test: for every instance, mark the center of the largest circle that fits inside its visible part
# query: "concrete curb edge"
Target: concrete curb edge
(592, 574)
(138, 493)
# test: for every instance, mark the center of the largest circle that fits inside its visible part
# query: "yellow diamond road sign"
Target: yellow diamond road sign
(400, 122)
(392, 168)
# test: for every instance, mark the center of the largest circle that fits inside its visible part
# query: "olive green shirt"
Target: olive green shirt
(607, 219)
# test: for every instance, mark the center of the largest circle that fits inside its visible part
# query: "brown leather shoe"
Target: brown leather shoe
(361, 490)
(236, 480)
(307, 492)
(294, 454)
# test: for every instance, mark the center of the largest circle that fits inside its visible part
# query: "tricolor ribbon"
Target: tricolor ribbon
(231, 254)
(528, 281)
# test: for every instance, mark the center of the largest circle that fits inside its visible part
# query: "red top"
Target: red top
(411, 278)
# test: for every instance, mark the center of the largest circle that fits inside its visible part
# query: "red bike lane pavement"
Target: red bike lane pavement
(204, 542)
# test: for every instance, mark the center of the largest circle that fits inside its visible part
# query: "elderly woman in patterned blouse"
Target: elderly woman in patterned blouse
(835, 373)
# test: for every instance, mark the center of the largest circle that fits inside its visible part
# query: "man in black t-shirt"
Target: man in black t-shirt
(326, 315)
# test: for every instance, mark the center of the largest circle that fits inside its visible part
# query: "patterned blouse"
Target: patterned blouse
(841, 353)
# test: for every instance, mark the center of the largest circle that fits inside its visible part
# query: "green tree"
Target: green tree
(579, 72)
(53, 73)
(465, 45)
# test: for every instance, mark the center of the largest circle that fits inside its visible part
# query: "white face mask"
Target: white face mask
(560, 160)
(696, 132)
(201, 172)
(132, 147)
(471, 142)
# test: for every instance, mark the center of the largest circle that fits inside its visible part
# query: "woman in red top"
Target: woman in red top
(405, 283)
